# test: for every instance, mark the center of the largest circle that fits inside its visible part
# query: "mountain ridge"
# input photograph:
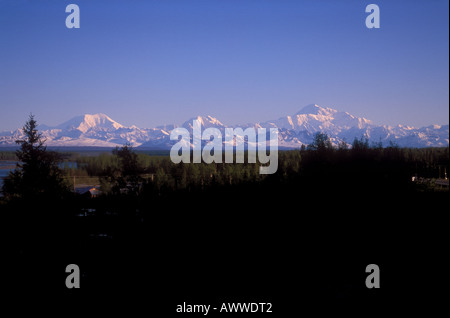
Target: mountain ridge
(99, 130)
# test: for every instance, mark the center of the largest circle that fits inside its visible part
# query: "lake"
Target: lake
(5, 168)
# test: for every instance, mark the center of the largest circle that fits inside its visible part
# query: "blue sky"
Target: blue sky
(154, 62)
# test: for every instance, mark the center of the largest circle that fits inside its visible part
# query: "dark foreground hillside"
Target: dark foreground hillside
(240, 247)
(299, 237)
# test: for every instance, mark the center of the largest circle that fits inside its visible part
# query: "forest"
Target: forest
(128, 172)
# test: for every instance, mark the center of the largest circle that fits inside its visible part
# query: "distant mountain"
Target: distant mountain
(86, 123)
(98, 130)
(314, 118)
(205, 121)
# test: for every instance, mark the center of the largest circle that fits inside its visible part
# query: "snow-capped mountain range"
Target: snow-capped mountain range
(99, 130)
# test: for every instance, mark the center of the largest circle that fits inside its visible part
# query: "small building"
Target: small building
(90, 191)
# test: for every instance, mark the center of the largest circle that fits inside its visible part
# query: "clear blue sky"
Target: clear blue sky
(149, 62)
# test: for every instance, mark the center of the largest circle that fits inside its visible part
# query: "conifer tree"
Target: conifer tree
(37, 173)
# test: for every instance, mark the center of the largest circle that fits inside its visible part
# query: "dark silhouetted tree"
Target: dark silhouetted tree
(130, 170)
(360, 145)
(321, 142)
(37, 173)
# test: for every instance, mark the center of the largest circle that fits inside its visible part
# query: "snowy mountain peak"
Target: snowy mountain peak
(88, 122)
(314, 109)
(205, 121)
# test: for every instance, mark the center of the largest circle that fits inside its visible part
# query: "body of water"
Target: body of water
(5, 168)
(68, 164)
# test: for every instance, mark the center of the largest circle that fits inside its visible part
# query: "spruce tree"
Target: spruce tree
(37, 173)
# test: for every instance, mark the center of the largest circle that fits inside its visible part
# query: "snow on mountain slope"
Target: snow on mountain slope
(88, 130)
(88, 122)
(205, 121)
(314, 118)
(98, 130)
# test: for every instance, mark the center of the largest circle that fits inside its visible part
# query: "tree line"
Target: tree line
(126, 171)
